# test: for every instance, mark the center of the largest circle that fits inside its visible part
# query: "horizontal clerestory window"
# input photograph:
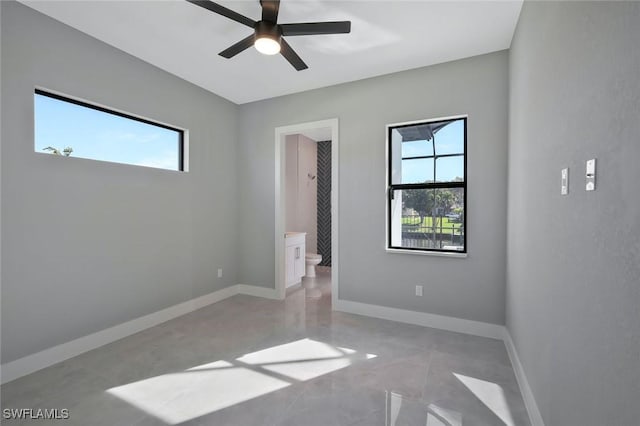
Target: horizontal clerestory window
(72, 128)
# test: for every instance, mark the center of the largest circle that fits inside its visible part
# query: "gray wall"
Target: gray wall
(87, 245)
(471, 288)
(573, 298)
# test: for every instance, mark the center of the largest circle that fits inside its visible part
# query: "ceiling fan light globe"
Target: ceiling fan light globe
(267, 46)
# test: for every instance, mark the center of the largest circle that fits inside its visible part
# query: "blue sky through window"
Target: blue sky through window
(98, 135)
(449, 140)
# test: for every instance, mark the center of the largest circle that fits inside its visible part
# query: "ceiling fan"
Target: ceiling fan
(268, 35)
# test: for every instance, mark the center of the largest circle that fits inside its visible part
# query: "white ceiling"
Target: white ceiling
(386, 37)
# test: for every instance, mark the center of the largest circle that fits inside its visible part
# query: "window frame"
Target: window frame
(181, 132)
(391, 187)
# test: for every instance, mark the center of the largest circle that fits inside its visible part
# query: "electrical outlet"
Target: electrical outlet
(219, 272)
(418, 290)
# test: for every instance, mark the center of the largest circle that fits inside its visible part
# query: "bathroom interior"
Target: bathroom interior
(308, 212)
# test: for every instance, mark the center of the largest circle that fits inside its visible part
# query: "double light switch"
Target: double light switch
(590, 177)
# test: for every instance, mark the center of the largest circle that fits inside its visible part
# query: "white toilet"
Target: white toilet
(311, 260)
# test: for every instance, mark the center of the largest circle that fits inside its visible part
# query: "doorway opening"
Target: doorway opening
(306, 202)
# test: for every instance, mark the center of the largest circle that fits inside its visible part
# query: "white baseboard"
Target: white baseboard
(34, 362)
(459, 325)
(37, 361)
(252, 290)
(529, 401)
(477, 328)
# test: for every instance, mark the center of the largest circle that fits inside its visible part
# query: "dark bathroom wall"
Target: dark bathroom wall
(324, 202)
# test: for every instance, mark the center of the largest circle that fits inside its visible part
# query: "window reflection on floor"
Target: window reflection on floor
(401, 411)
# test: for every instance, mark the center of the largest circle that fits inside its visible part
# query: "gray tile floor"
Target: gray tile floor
(250, 361)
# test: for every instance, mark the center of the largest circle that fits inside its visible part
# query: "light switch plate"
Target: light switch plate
(591, 175)
(564, 185)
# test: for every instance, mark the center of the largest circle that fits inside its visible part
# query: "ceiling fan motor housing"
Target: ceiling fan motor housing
(268, 30)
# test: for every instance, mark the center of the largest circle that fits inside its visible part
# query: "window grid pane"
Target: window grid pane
(417, 149)
(431, 218)
(450, 169)
(418, 170)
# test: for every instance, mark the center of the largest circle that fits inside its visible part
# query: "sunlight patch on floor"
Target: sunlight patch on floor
(178, 397)
(491, 394)
(175, 398)
(302, 360)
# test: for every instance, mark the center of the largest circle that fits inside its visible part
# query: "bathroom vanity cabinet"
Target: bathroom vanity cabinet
(294, 257)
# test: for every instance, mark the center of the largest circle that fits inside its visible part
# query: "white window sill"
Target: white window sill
(427, 253)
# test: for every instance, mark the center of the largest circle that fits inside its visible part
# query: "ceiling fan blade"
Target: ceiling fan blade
(270, 10)
(221, 10)
(291, 56)
(240, 46)
(311, 28)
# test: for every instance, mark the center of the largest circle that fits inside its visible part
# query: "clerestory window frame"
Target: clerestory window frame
(182, 134)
